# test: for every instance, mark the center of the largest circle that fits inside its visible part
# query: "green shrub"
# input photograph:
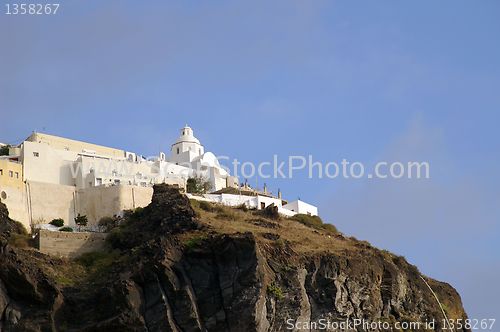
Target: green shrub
(64, 280)
(280, 243)
(314, 222)
(66, 229)
(194, 242)
(270, 212)
(98, 261)
(243, 207)
(19, 240)
(81, 220)
(15, 227)
(330, 228)
(206, 206)
(4, 150)
(118, 237)
(108, 223)
(57, 222)
(198, 185)
(227, 214)
(135, 214)
(311, 221)
(275, 290)
(138, 212)
(210, 207)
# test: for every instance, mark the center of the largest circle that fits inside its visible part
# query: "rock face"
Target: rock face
(28, 298)
(8, 227)
(214, 282)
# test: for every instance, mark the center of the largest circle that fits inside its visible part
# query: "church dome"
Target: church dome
(187, 136)
(208, 159)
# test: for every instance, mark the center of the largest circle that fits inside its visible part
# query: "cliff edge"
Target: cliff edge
(178, 265)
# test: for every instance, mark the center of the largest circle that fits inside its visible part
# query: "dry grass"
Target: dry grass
(20, 240)
(64, 271)
(227, 220)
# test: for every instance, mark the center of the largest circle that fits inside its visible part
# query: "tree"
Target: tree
(4, 150)
(81, 221)
(107, 223)
(57, 222)
(198, 185)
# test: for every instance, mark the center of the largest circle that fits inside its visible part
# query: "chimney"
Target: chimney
(279, 194)
(265, 188)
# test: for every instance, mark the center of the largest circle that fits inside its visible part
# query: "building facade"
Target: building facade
(48, 177)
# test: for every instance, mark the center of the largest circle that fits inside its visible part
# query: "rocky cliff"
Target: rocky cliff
(178, 265)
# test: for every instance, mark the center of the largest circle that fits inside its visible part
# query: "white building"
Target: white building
(186, 148)
(48, 177)
(254, 199)
(301, 207)
(187, 151)
(57, 160)
(61, 178)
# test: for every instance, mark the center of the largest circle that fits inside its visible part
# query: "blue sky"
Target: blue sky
(366, 81)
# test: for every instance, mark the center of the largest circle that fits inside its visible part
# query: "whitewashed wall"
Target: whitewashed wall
(50, 166)
(98, 202)
(48, 201)
(252, 202)
(302, 207)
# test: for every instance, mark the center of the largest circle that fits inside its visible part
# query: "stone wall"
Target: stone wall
(66, 244)
(39, 202)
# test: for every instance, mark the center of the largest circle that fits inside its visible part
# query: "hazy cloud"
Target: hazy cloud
(447, 225)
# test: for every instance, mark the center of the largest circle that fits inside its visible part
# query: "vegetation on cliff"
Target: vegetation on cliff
(178, 265)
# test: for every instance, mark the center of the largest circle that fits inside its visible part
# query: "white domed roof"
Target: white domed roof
(187, 136)
(208, 159)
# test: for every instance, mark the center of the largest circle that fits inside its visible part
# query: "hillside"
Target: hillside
(178, 265)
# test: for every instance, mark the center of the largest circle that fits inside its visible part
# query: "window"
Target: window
(11, 174)
(17, 175)
(117, 181)
(1, 171)
(177, 150)
(36, 154)
(98, 181)
(262, 205)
